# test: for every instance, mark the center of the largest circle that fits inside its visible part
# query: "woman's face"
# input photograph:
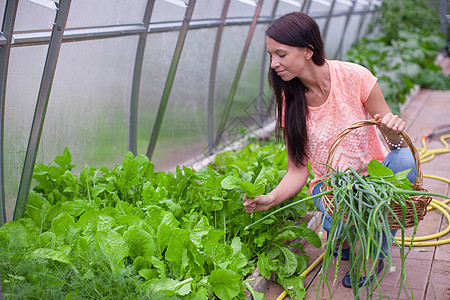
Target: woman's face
(287, 61)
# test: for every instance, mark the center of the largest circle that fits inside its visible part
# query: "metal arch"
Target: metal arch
(375, 14)
(238, 74)
(41, 106)
(327, 22)
(42, 37)
(262, 75)
(132, 129)
(170, 79)
(338, 53)
(212, 79)
(5, 50)
(368, 6)
(306, 5)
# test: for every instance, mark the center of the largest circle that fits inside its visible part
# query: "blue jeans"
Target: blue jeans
(397, 160)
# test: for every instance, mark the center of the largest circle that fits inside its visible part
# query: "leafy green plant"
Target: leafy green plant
(135, 231)
(407, 15)
(403, 53)
(258, 154)
(240, 180)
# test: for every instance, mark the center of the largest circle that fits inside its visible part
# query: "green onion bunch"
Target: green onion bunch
(363, 211)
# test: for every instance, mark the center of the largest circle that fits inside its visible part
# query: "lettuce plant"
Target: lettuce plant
(135, 231)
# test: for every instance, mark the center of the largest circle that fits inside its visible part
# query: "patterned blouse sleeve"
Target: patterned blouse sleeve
(368, 81)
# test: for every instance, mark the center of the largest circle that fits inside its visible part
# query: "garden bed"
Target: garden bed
(132, 230)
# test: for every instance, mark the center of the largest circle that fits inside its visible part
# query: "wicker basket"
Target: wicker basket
(420, 202)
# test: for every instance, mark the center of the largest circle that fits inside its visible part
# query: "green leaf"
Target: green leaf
(47, 240)
(97, 189)
(124, 209)
(294, 286)
(140, 243)
(287, 235)
(38, 209)
(226, 284)
(64, 228)
(212, 239)
(141, 263)
(176, 247)
(181, 288)
(154, 216)
(265, 265)
(75, 208)
(163, 236)
(114, 247)
(199, 231)
(251, 190)
(61, 256)
(147, 273)
(255, 295)
(22, 234)
(65, 159)
(105, 222)
(159, 266)
(399, 179)
(312, 237)
(222, 256)
(261, 239)
(261, 181)
(376, 169)
(231, 182)
(290, 263)
(175, 208)
(169, 219)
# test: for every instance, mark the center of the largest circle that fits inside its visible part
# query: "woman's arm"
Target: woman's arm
(391, 125)
(292, 182)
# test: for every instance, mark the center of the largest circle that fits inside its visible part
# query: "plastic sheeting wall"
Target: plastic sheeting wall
(89, 105)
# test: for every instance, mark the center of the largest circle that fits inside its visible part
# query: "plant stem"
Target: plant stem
(418, 193)
(289, 205)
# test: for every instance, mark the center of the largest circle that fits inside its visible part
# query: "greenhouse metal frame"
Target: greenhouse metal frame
(60, 34)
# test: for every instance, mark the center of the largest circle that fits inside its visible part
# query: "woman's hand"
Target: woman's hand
(391, 125)
(292, 182)
(263, 202)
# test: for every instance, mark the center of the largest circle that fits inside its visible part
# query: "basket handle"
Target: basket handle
(359, 124)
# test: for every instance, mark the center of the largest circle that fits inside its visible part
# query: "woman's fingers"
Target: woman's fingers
(249, 204)
(391, 125)
(263, 202)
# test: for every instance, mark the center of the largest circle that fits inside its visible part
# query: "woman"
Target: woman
(317, 99)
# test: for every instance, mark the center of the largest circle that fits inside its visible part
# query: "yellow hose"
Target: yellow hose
(417, 240)
(438, 178)
(425, 156)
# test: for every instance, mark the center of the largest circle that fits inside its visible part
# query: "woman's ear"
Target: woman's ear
(308, 53)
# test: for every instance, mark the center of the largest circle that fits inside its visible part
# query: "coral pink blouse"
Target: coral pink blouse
(351, 85)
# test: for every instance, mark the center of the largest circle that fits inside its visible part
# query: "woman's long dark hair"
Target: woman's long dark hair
(295, 29)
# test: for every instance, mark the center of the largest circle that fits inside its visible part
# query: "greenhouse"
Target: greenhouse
(224, 149)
